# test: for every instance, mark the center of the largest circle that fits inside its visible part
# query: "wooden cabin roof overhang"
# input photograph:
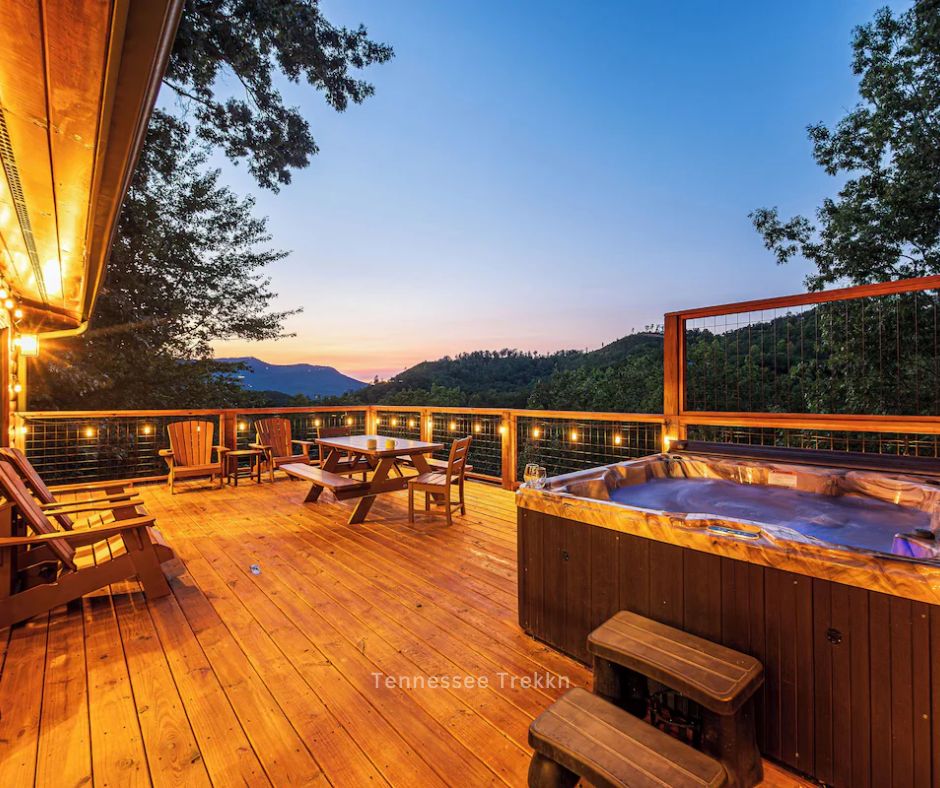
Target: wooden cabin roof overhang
(78, 82)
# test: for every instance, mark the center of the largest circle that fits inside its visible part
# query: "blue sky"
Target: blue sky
(548, 175)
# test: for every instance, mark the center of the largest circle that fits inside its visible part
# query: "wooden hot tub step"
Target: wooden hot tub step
(583, 735)
(719, 679)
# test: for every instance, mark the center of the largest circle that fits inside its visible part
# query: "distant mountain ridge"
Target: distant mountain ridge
(311, 380)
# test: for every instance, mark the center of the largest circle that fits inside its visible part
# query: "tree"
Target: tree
(254, 41)
(884, 224)
(185, 270)
(186, 266)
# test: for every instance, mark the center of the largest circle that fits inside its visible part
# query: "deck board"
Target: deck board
(279, 676)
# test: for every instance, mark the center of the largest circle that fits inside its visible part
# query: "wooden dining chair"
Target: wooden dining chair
(440, 483)
(273, 437)
(190, 452)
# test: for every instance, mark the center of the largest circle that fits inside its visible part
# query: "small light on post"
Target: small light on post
(536, 432)
(28, 345)
(317, 422)
(394, 422)
(349, 421)
(502, 429)
(573, 437)
(477, 427)
(411, 424)
(617, 440)
(146, 429)
(89, 432)
(242, 426)
(23, 430)
(452, 426)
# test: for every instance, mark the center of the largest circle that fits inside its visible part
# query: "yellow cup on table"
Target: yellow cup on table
(372, 443)
(389, 443)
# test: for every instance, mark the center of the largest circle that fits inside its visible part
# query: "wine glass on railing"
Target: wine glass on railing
(531, 474)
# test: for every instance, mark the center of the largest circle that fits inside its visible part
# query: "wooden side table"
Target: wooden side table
(233, 472)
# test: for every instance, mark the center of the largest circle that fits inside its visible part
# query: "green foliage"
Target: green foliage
(185, 269)
(625, 375)
(256, 41)
(885, 222)
(186, 266)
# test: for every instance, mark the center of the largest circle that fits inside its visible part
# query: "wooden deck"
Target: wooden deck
(269, 662)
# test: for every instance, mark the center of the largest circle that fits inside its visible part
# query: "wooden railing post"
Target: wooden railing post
(228, 428)
(507, 432)
(427, 425)
(371, 414)
(673, 378)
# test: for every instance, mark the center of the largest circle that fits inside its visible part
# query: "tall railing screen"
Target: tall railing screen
(567, 444)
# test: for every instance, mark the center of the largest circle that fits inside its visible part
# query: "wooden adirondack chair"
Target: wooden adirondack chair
(51, 567)
(274, 439)
(190, 452)
(439, 484)
(101, 493)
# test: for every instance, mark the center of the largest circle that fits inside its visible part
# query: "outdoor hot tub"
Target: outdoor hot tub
(826, 571)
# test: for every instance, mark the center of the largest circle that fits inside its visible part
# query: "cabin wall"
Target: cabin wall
(852, 677)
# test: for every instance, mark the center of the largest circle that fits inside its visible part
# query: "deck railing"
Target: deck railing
(854, 369)
(73, 446)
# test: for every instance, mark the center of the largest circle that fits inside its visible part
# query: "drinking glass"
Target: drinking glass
(541, 476)
(531, 474)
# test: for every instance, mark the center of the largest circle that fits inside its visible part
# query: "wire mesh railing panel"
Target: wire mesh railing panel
(398, 424)
(892, 443)
(303, 426)
(486, 449)
(566, 445)
(875, 355)
(67, 450)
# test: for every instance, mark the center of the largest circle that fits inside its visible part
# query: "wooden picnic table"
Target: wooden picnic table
(382, 460)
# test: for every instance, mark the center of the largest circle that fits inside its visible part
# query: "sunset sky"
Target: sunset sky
(547, 175)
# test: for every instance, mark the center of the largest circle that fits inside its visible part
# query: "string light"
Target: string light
(28, 345)
(3, 293)
(18, 314)
(17, 388)
(8, 303)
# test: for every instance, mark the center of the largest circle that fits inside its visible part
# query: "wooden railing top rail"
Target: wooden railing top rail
(820, 297)
(850, 422)
(116, 414)
(651, 418)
